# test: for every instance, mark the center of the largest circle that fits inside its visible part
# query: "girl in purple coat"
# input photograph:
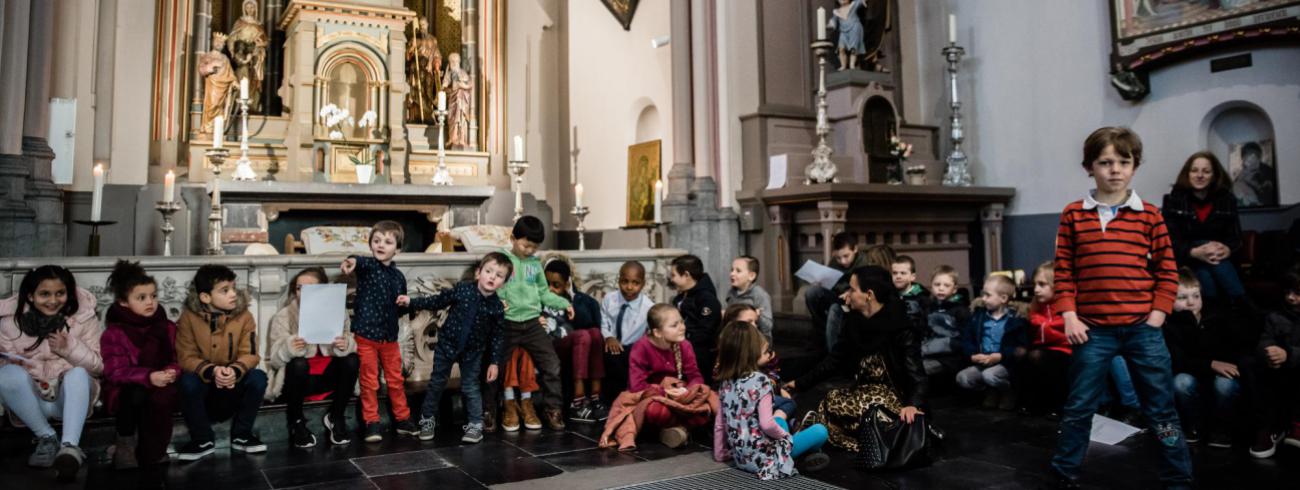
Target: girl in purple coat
(139, 367)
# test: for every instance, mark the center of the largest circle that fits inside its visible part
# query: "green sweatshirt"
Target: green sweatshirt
(526, 292)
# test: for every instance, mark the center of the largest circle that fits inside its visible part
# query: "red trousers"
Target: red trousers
(659, 416)
(389, 356)
(585, 348)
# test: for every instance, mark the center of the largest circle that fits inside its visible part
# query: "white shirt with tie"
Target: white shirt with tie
(634, 318)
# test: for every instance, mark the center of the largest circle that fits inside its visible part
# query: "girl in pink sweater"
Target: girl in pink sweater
(665, 352)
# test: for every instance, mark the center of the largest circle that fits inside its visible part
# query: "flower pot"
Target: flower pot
(365, 173)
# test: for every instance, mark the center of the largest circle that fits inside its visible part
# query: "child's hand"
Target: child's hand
(160, 378)
(785, 394)
(977, 359)
(787, 388)
(675, 392)
(1276, 355)
(58, 341)
(403, 300)
(224, 377)
(505, 306)
(1156, 318)
(297, 343)
(541, 320)
(1075, 331)
(1225, 369)
(348, 265)
(993, 358)
(780, 414)
(570, 311)
(492, 373)
(613, 346)
(340, 343)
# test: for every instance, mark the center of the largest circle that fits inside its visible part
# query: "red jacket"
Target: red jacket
(1047, 329)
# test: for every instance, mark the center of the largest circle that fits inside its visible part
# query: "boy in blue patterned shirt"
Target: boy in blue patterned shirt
(472, 328)
(374, 323)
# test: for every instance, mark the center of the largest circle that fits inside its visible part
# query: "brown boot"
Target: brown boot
(489, 421)
(674, 437)
(510, 416)
(531, 422)
(554, 419)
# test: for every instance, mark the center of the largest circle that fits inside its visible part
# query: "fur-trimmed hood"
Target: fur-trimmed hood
(193, 304)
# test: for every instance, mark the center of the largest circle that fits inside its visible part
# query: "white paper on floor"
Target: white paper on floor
(1110, 431)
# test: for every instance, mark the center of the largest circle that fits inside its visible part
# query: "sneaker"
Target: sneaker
(300, 436)
(407, 427)
(599, 412)
(554, 420)
(195, 450)
(580, 411)
(68, 462)
(473, 434)
(46, 450)
(1220, 439)
(1293, 437)
(529, 412)
(1265, 444)
(814, 462)
(510, 416)
(250, 444)
(673, 437)
(426, 429)
(1192, 436)
(374, 432)
(339, 436)
(489, 421)
(124, 453)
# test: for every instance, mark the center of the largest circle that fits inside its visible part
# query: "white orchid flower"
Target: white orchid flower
(336, 134)
(328, 109)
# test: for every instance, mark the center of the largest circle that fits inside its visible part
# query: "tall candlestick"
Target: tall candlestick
(821, 23)
(218, 131)
(659, 201)
(169, 187)
(952, 28)
(243, 88)
(97, 194)
(519, 148)
(577, 194)
(442, 101)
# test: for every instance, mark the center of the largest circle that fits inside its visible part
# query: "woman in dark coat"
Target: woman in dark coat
(1201, 214)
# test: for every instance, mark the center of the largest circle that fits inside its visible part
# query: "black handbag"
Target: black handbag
(886, 442)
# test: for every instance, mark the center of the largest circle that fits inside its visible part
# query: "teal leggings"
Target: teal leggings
(811, 438)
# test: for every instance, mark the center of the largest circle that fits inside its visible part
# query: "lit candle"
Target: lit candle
(519, 148)
(97, 194)
(577, 194)
(821, 23)
(218, 131)
(659, 201)
(243, 88)
(169, 186)
(952, 28)
(442, 101)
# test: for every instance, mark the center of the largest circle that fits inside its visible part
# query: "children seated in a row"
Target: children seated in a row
(745, 290)
(1045, 362)
(824, 304)
(1271, 376)
(579, 341)
(915, 296)
(946, 313)
(623, 320)
(991, 339)
(697, 303)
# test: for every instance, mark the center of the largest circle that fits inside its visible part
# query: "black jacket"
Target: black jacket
(1219, 336)
(887, 333)
(1282, 329)
(702, 313)
(1185, 230)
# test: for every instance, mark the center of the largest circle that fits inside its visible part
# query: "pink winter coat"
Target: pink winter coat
(47, 366)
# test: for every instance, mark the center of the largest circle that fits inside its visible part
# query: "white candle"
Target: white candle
(952, 28)
(218, 131)
(821, 23)
(169, 186)
(442, 101)
(97, 194)
(577, 194)
(519, 148)
(659, 201)
(243, 88)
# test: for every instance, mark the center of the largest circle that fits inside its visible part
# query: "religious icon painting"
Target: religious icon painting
(623, 10)
(1254, 173)
(642, 172)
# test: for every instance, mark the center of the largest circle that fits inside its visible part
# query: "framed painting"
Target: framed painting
(1254, 173)
(1148, 33)
(642, 172)
(623, 10)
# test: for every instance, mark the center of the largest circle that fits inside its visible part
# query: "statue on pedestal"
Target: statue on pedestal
(423, 71)
(219, 83)
(460, 92)
(861, 27)
(247, 44)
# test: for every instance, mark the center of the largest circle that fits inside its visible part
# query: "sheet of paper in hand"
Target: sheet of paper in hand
(320, 312)
(819, 274)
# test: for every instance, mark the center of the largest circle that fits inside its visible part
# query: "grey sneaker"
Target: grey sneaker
(68, 462)
(426, 429)
(47, 448)
(473, 433)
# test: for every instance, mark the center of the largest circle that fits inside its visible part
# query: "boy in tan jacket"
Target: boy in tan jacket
(216, 345)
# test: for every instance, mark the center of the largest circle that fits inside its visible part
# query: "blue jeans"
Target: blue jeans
(827, 316)
(783, 404)
(1219, 279)
(201, 403)
(1188, 392)
(811, 438)
(471, 364)
(18, 392)
(1144, 348)
(1121, 383)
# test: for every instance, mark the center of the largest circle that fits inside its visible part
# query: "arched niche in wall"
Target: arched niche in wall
(879, 124)
(1238, 129)
(648, 127)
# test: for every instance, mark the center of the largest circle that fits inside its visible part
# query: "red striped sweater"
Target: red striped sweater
(1117, 276)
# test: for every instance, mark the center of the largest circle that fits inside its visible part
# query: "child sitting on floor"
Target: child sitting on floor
(749, 429)
(991, 338)
(579, 341)
(1043, 367)
(744, 290)
(903, 271)
(770, 364)
(946, 313)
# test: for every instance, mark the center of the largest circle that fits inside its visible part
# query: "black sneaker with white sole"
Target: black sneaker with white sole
(195, 450)
(336, 429)
(374, 432)
(248, 444)
(408, 428)
(300, 436)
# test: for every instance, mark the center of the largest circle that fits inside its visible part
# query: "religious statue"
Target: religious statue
(247, 45)
(219, 83)
(423, 71)
(861, 28)
(460, 88)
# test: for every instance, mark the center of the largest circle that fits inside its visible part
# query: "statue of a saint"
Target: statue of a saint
(861, 27)
(247, 45)
(219, 83)
(423, 71)
(460, 90)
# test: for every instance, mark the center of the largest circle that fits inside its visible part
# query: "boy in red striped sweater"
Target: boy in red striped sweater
(1115, 282)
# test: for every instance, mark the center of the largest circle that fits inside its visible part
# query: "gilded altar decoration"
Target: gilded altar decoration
(423, 71)
(247, 45)
(218, 82)
(460, 92)
(623, 10)
(642, 172)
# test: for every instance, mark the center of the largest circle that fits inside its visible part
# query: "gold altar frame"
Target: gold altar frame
(642, 172)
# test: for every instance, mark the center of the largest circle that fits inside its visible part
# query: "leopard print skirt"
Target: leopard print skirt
(842, 409)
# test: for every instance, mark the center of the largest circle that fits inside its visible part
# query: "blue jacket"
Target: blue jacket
(472, 325)
(586, 313)
(1015, 334)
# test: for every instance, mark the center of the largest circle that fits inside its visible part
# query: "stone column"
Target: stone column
(683, 170)
(991, 225)
(200, 42)
(42, 195)
(469, 57)
(17, 230)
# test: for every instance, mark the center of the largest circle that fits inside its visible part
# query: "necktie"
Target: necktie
(618, 324)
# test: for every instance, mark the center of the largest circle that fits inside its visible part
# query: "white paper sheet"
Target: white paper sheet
(819, 274)
(320, 312)
(1110, 431)
(776, 170)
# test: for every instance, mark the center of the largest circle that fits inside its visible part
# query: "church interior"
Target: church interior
(268, 139)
